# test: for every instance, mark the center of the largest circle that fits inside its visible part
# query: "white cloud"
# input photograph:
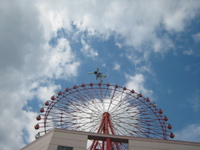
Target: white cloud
(61, 61)
(137, 83)
(187, 68)
(19, 35)
(87, 50)
(16, 90)
(196, 37)
(178, 13)
(14, 95)
(132, 20)
(27, 61)
(146, 68)
(118, 44)
(169, 91)
(195, 100)
(188, 52)
(116, 66)
(141, 62)
(162, 44)
(45, 92)
(189, 133)
(135, 59)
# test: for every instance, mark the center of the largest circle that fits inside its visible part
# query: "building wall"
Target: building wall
(51, 140)
(162, 145)
(78, 140)
(40, 144)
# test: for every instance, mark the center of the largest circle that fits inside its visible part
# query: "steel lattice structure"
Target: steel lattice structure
(107, 109)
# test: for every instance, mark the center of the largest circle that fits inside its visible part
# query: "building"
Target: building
(61, 139)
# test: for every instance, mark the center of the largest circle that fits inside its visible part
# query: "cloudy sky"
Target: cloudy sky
(152, 47)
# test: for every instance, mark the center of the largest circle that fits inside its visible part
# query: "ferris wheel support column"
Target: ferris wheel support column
(106, 116)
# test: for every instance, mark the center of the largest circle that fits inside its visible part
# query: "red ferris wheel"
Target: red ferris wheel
(106, 109)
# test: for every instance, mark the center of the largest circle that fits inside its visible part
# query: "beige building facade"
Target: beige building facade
(60, 139)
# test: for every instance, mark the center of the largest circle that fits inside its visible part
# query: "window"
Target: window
(64, 148)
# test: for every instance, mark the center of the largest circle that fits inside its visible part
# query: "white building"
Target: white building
(61, 139)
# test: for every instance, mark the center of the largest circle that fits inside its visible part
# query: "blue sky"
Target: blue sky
(149, 46)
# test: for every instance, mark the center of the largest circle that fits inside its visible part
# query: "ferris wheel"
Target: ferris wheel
(106, 109)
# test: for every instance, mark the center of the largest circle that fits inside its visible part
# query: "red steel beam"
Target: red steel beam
(104, 128)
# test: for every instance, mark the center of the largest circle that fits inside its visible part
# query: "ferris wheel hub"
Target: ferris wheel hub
(106, 115)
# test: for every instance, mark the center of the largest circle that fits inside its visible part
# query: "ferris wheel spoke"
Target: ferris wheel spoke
(121, 100)
(124, 111)
(89, 94)
(106, 96)
(127, 126)
(124, 123)
(88, 125)
(99, 97)
(79, 100)
(111, 99)
(83, 105)
(93, 101)
(122, 131)
(79, 96)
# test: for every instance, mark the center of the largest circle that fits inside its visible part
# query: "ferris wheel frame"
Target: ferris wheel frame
(117, 109)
